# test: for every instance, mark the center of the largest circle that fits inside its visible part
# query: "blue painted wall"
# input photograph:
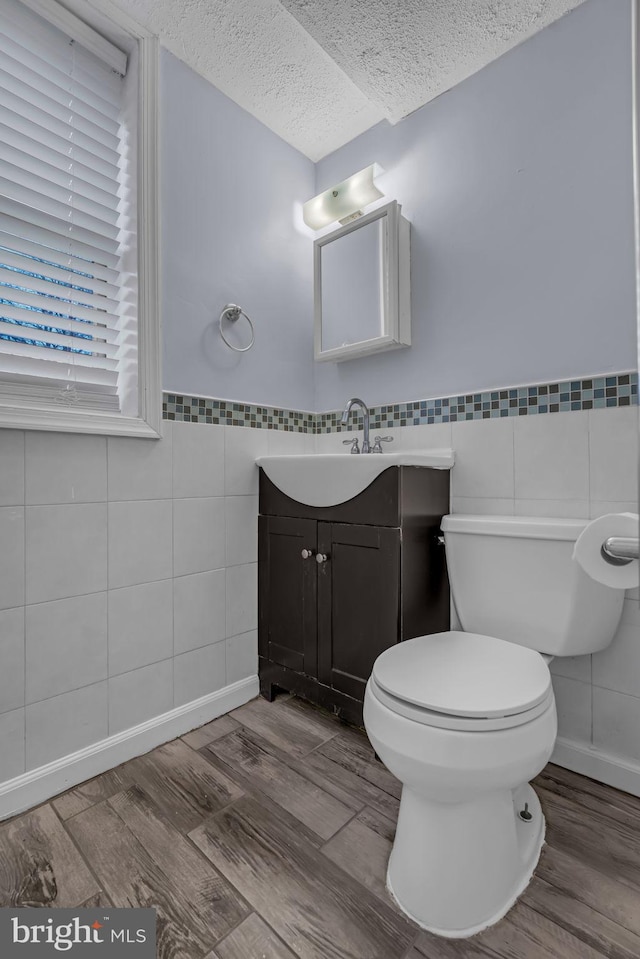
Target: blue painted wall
(229, 234)
(518, 185)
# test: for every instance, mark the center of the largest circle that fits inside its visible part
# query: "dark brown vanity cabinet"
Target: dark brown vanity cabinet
(338, 585)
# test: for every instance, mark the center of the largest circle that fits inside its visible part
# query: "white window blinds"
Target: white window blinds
(62, 228)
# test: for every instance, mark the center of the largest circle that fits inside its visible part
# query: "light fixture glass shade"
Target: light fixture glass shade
(344, 200)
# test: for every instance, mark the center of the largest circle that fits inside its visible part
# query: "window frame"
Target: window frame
(16, 412)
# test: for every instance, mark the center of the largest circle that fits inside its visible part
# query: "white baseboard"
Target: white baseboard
(42, 783)
(589, 761)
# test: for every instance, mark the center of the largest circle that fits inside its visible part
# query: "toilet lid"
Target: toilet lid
(464, 674)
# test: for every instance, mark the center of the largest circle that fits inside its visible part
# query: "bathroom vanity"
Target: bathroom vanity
(338, 584)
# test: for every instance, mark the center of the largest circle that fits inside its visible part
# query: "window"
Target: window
(79, 337)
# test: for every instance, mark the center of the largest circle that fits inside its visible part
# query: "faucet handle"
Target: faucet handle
(377, 440)
(354, 444)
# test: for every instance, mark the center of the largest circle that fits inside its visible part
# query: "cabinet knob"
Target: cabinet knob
(321, 558)
(307, 553)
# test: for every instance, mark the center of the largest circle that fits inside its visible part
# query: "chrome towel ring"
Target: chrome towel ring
(232, 312)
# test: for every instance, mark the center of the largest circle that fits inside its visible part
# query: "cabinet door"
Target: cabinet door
(287, 593)
(358, 602)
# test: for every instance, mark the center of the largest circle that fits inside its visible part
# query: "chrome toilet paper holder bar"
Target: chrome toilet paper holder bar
(620, 550)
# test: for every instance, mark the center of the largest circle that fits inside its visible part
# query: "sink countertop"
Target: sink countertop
(326, 479)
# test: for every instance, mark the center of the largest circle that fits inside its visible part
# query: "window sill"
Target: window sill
(80, 421)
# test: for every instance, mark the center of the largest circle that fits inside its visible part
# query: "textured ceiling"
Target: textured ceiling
(403, 53)
(319, 72)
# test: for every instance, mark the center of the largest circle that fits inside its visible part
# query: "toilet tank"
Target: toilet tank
(513, 577)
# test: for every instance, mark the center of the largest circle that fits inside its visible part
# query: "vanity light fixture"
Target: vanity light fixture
(345, 201)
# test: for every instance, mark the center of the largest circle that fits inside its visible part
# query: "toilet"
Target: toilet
(465, 718)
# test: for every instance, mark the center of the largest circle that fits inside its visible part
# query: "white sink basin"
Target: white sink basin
(326, 479)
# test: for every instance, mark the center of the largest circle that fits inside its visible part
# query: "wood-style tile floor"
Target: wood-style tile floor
(265, 835)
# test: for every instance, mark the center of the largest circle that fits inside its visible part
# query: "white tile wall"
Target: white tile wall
(573, 667)
(140, 541)
(575, 508)
(66, 645)
(241, 529)
(601, 507)
(579, 464)
(140, 469)
(11, 556)
(199, 610)
(242, 598)
(199, 672)
(280, 443)
(12, 466)
(332, 442)
(484, 458)
(65, 468)
(241, 446)
(12, 742)
(12, 658)
(242, 652)
(166, 566)
(618, 667)
(140, 625)
(139, 695)
(551, 456)
(616, 723)
(198, 534)
(416, 437)
(66, 551)
(573, 703)
(613, 454)
(66, 723)
(198, 460)
(119, 549)
(484, 505)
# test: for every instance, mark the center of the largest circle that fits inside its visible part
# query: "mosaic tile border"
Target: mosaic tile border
(598, 392)
(195, 409)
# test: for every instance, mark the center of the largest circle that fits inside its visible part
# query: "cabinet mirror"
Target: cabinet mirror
(362, 286)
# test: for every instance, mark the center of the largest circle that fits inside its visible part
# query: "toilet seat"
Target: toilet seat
(429, 717)
(463, 681)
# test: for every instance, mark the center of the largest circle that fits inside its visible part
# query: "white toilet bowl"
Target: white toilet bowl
(464, 722)
(466, 719)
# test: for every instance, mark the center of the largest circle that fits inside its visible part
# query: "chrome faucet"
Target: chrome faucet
(354, 401)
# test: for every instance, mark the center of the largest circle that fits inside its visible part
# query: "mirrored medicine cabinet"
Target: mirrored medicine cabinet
(362, 286)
